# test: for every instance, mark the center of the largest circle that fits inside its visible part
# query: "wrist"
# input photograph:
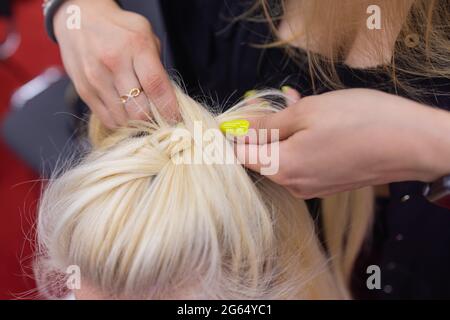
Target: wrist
(56, 19)
(420, 138)
(438, 141)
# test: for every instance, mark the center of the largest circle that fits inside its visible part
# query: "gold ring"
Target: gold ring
(135, 92)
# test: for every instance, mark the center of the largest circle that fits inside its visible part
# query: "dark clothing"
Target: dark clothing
(214, 53)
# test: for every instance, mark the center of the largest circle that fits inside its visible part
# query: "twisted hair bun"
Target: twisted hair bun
(139, 225)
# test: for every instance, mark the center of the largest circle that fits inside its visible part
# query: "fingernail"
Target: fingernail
(249, 94)
(285, 89)
(235, 127)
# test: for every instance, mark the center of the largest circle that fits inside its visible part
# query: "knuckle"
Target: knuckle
(92, 73)
(137, 22)
(110, 59)
(141, 31)
(138, 38)
(142, 24)
(145, 44)
(155, 85)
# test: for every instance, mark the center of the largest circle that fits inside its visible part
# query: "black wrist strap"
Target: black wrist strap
(50, 8)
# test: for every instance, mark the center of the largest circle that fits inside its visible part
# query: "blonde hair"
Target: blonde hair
(140, 226)
(420, 28)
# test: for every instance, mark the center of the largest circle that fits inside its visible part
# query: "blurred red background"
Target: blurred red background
(19, 186)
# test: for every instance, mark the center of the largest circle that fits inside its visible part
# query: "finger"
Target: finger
(278, 126)
(245, 153)
(100, 110)
(292, 95)
(101, 79)
(137, 108)
(111, 100)
(97, 107)
(264, 159)
(95, 104)
(155, 83)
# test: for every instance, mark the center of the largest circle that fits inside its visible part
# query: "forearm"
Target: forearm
(438, 143)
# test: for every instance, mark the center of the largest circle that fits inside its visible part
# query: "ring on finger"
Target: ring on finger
(133, 93)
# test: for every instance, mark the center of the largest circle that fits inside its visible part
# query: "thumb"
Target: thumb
(285, 122)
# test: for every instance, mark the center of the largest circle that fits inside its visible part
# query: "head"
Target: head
(414, 34)
(139, 225)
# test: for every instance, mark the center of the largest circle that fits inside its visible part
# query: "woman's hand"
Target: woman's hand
(113, 52)
(352, 138)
